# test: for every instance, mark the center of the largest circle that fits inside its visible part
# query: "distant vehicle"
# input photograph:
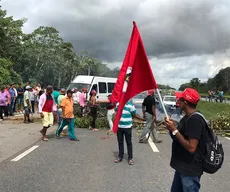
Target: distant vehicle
(138, 99)
(170, 101)
(102, 85)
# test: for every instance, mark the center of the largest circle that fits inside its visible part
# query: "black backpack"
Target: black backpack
(213, 157)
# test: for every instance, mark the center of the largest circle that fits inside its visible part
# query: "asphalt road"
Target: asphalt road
(87, 166)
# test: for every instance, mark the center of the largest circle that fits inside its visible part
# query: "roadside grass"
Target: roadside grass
(211, 109)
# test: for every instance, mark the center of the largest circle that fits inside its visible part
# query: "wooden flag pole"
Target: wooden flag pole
(161, 101)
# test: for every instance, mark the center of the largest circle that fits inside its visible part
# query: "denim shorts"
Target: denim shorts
(27, 110)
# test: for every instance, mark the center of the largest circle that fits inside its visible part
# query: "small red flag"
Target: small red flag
(135, 75)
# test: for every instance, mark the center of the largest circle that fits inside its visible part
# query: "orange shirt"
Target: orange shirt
(67, 107)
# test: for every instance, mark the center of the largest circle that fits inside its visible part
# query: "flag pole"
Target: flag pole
(161, 101)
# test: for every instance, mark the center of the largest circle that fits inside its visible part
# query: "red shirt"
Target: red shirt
(48, 107)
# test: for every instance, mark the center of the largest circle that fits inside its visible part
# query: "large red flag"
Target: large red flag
(135, 75)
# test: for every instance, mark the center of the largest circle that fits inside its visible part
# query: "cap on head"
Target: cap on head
(190, 95)
(84, 89)
(62, 90)
(93, 92)
(28, 87)
(49, 87)
(150, 92)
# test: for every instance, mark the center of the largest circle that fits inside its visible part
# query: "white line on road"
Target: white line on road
(25, 153)
(227, 138)
(152, 145)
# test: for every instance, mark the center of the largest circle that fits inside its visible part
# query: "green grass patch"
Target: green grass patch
(211, 109)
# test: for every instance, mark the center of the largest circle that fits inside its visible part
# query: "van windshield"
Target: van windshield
(79, 86)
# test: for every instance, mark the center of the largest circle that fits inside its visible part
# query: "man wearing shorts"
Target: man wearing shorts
(27, 105)
(46, 108)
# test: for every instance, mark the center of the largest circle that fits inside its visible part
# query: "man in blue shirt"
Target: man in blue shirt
(125, 129)
(13, 96)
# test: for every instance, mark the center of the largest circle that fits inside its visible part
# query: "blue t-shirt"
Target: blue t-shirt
(12, 93)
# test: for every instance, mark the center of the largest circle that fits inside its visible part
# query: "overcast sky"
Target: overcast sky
(183, 38)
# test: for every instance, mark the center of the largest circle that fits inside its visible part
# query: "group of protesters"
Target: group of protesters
(215, 96)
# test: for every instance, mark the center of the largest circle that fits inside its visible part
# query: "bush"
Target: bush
(221, 124)
(85, 122)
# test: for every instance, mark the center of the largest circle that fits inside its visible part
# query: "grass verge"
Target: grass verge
(211, 109)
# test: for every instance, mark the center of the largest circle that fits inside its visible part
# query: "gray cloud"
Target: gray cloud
(173, 31)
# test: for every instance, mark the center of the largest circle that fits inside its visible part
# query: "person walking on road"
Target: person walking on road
(3, 103)
(67, 117)
(188, 144)
(149, 113)
(46, 108)
(27, 104)
(125, 129)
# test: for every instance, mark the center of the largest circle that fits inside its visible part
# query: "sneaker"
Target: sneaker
(143, 141)
(118, 160)
(74, 139)
(131, 162)
(26, 122)
(158, 141)
(44, 139)
(58, 137)
(94, 129)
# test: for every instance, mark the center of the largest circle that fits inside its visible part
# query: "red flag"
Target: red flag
(135, 75)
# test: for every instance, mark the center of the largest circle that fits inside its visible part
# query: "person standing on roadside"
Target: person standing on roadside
(149, 113)
(110, 106)
(93, 110)
(82, 100)
(27, 105)
(46, 108)
(3, 103)
(68, 117)
(13, 96)
(125, 129)
(19, 100)
(33, 99)
(188, 144)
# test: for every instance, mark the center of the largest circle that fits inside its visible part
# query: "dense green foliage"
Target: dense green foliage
(42, 56)
(220, 82)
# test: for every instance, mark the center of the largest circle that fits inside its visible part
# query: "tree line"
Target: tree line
(42, 56)
(221, 82)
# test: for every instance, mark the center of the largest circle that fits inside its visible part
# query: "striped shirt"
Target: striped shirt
(126, 120)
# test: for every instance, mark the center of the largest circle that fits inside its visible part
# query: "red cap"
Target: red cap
(84, 89)
(150, 92)
(93, 92)
(191, 95)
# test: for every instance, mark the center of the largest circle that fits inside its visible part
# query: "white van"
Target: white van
(102, 85)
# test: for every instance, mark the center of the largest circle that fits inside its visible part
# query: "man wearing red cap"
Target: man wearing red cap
(188, 144)
(149, 113)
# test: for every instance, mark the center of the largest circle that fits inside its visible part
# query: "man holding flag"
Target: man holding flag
(135, 77)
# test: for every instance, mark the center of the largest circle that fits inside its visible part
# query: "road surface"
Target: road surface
(87, 166)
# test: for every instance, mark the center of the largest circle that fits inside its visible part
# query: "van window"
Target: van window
(111, 87)
(102, 87)
(94, 88)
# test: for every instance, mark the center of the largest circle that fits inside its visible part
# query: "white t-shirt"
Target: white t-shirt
(76, 97)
